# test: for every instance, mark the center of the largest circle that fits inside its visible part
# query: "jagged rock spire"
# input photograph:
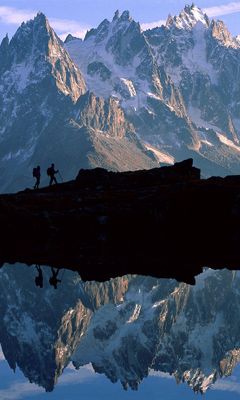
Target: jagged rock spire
(4, 51)
(4, 47)
(116, 15)
(5, 41)
(125, 16)
(221, 32)
(188, 18)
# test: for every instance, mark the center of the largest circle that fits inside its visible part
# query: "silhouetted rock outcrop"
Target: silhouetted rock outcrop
(182, 171)
(165, 222)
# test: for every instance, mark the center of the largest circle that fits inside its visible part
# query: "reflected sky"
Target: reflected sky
(87, 385)
(76, 311)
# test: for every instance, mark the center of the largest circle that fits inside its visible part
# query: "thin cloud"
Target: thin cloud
(14, 16)
(151, 25)
(227, 386)
(68, 26)
(216, 11)
(10, 15)
(224, 9)
(79, 34)
(75, 377)
(160, 374)
(20, 390)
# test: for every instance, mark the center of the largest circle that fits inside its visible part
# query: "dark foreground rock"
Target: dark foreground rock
(164, 222)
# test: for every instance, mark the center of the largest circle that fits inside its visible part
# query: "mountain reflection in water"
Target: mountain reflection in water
(126, 328)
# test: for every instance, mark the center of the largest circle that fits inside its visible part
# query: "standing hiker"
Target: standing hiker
(51, 173)
(37, 175)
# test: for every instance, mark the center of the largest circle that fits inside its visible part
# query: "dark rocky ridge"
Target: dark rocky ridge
(165, 222)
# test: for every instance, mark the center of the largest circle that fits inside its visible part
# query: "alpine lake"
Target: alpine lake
(133, 337)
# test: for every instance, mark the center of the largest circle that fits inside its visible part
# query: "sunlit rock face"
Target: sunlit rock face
(172, 82)
(40, 87)
(122, 99)
(38, 81)
(126, 327)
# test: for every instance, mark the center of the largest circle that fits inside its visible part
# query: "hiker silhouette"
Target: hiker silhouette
(37, 175)
(51, 173)
(53, 280)
(39, 277)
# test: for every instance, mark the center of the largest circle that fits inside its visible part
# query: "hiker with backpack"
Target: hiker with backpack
(51, 173)
(37, 175)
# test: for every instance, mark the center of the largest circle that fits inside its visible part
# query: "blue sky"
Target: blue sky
(76, 16)
(86, 385)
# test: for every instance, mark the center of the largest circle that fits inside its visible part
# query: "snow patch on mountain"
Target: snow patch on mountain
(195, 115)
(228, 142)
(161, 156)
(196, 59)
(193, 57)
(174, 84)
(123, 81)
(188, 18)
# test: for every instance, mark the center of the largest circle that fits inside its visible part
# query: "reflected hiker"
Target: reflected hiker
(54, 278)
(37, 175)
(39, 278)
(51, 173)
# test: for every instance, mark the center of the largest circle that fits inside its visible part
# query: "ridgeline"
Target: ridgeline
(165, 222)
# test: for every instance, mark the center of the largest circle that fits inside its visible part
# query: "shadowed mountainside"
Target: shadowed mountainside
(165, 222)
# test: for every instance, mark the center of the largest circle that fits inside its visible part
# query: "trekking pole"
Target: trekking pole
(60, 176)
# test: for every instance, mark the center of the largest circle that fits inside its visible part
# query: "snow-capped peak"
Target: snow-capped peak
(188, 18)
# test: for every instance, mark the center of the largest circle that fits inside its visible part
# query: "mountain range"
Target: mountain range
(122, 98)
(127, 328)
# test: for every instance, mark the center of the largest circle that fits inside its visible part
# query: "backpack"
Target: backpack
(49, 171)
(35, 172)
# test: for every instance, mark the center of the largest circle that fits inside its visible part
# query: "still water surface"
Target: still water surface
(132, 337)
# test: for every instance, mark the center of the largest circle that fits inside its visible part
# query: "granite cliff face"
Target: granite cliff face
(126, 327)
(122, 99)
(42, 120)
(175, 83)
(117, 59)
(38, 81)
(202, 57)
